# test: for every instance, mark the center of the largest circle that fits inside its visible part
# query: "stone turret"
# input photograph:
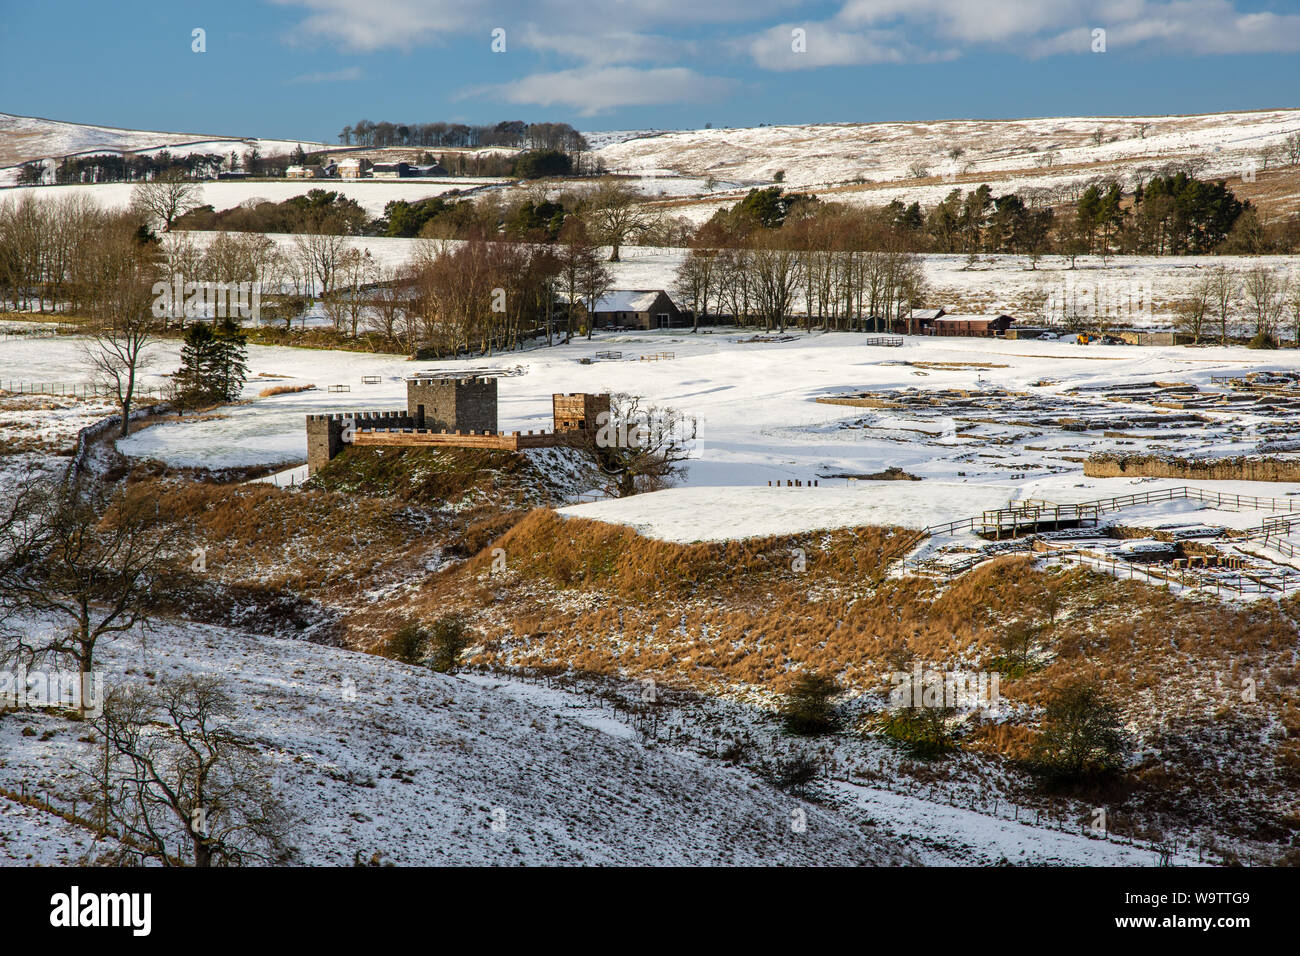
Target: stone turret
(578, 411)
(326, 433)
(454, 404)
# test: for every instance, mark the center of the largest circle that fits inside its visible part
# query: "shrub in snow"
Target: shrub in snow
(447, 642)
(808, 709)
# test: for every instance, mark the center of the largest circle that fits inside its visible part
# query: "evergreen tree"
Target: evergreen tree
(214, 364)
(230, 361)
(1082, 734)
(808, 709)
(194, 383)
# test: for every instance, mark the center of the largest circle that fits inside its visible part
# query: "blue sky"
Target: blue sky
(305, 68)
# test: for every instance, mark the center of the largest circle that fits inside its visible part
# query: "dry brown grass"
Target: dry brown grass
(284, 390)
(734, 617)
(575, 552)
(306, 541)
(737, 618)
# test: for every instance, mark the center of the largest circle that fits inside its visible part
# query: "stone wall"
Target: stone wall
(1139, 337)
(1253, 468)
(325, 433)
(425, 438)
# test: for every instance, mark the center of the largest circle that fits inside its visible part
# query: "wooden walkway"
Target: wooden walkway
(1031, 516)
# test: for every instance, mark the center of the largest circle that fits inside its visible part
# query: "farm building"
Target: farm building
(971, 325)
(392, 170)
(920, 322)
(305, 172)
(405, 170)
(351, 168)
(637, 308)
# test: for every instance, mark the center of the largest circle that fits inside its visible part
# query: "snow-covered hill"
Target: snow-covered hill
(915, 161)
(26, 138)
(378, 757)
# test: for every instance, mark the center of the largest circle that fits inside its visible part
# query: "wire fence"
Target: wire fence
(27, 336)
(652, 723)
(47, 331)
(79, 390)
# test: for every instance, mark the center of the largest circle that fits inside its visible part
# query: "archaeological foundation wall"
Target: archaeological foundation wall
(1246, 468)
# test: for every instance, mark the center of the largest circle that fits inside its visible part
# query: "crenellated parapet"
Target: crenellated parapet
(450, 412)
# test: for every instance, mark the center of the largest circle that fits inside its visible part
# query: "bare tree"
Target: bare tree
(86, 558)
(181, 257)
(346, 302)
(1193, 310)
(696, 282)
(318, 255)
(1268, 153)
(617, 213)
(19, 541)
(641, 448)
(1225, 286)
(594, 280)
(776, 277)
(1294, 302)
(576, 260)
(179, 785)
(166, 197)
(391, 313)
(123, 324)
(1265, 292)
(1291, 147)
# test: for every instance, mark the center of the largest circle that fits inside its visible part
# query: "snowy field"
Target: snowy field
(758, 418)
(25, 138)
(837, 152)
(685, 514)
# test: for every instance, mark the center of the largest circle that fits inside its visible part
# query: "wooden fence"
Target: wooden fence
(1031, 513)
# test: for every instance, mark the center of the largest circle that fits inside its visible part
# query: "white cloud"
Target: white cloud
(345, 75)
(600, 47)
(1045, 27)
(662, 33)
(369, 25)
(600, 89)
(824, 44)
